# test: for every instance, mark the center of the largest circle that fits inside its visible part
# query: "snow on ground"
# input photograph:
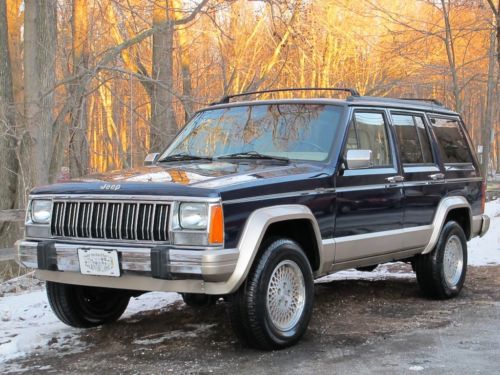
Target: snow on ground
(27, 324)
(486, 250)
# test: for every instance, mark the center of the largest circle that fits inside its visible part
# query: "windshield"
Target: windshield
(291, 131)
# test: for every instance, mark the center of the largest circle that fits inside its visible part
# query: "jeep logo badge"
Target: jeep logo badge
(110, 187)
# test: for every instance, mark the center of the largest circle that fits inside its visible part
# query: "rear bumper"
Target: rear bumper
(162, 263)
(485, 225)
(480, 225)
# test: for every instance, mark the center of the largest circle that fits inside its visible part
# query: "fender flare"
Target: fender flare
(445, 206)
(253, 234)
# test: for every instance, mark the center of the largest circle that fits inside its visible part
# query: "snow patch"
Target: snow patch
(485, 251)
(158, 338)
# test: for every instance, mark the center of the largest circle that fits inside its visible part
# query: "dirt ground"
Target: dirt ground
(376, 327)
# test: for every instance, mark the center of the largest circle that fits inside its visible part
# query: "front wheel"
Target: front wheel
(441, 273)
(84, 306)
(272, 309)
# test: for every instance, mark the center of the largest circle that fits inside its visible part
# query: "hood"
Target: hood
(192, 178)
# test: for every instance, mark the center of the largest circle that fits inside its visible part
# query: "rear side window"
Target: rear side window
(412, 138)
(368, 132)
(451, 139)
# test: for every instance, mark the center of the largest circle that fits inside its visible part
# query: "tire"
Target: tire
(441, 273)
(255, 308)
(198, 300)
(367, 268)
(83, 306)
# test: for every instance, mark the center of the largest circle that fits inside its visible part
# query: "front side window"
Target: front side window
(414, 145)
(451, 140)
(368, 132)
(293, 131)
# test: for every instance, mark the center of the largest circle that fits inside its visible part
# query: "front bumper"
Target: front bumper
(156, 262)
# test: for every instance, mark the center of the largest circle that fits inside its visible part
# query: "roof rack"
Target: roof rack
(227, 98)
(393, 100)
(434, 101)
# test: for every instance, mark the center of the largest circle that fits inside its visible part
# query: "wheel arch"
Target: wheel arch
(455, 208)
(273, 220)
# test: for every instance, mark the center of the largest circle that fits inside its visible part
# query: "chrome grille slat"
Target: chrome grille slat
(143, 221)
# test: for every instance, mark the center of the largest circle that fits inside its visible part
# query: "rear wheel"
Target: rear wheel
(84, 306)
(272, 309)
(441, 273)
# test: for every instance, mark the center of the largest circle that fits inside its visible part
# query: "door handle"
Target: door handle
(395, 179)
(437, 176)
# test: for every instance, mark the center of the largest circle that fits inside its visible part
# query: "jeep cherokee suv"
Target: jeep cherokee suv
(253, 200)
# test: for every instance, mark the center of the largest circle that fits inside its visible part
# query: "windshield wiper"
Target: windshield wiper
(184, 156)
(252, 155)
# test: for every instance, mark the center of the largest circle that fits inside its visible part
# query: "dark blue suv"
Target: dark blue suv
(254, 200)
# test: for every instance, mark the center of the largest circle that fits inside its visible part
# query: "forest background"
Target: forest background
(92, 86)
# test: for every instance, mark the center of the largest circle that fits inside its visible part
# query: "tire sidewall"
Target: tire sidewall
(277, 252)
(450, 229)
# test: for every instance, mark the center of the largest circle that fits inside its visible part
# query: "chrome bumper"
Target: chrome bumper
(206, 265)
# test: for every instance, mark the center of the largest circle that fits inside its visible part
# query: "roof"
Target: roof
(367, 101)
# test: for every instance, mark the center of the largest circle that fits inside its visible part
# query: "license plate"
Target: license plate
(99, 262)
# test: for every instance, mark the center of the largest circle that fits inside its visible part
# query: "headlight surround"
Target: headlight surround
(41, 211)
(193, 216)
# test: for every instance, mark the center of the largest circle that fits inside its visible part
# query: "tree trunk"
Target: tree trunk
(163, 122)
(78, 144)
(40, 40)
(487, 136)
(450, 53)
(187, 90)
(8, 165)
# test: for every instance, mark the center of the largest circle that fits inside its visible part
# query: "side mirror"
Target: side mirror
(359, 159)
(151, 158)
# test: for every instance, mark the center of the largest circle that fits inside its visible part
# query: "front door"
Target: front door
(369, 212)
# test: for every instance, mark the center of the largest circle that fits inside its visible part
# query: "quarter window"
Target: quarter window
(368, 132)
(451, 140)
(413, 140)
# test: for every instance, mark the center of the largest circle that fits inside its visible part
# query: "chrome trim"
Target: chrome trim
(209, 264)
(446, 205)
(464, 179)
(126, 198)
(368, 187)
(300, 193)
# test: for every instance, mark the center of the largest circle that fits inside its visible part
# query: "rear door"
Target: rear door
(369, 201)
(423, 177)
(461, 169)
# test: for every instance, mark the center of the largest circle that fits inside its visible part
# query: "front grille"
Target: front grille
(141, 221)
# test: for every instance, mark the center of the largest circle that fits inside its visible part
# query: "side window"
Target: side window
(451, 140)
(368, 132)
(413, 140)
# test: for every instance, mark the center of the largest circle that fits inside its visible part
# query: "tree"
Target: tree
(8, 141)
(40, 40)
(163, 122)
(78, 145)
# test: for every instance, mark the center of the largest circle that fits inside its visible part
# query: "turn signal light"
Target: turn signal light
(216, 231)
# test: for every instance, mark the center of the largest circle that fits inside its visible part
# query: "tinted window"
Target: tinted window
(413, 140)
(452, 141)
(371, 134)
(298, 131)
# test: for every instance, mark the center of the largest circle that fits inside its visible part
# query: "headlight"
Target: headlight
(41, 211)
(193, 215)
